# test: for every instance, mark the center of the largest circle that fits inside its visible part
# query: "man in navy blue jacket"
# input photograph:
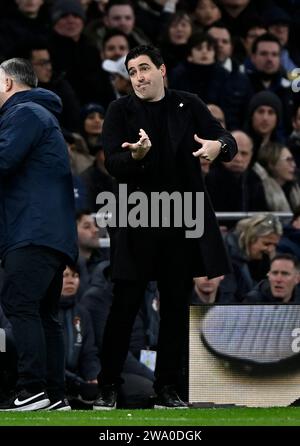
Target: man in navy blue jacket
(37, 232)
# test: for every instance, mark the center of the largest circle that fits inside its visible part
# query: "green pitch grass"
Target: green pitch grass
(193, 417)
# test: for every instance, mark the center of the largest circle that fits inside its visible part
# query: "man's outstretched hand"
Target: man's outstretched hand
(210, 149)
(141, 148)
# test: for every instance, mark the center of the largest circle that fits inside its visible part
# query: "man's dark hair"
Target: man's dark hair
(264, 38)
(112, 3)
(198, 38)
(81, 212)
(21, 71)
(145, 50)
(112, 33)
(286, 256)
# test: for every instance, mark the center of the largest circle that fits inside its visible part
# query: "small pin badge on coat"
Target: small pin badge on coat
(181, 104)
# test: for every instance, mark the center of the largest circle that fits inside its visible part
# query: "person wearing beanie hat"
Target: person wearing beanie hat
(263, 119)
(63, 8)
(266, 74)
(92, 117)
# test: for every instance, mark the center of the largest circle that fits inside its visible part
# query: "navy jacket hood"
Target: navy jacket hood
(40, 96)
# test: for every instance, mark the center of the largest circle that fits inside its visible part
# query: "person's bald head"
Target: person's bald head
(241, 161)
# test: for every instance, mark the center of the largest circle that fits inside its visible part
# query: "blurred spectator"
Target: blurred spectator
(174, 39)
(236, 13)
(118, 75)
(152, 16)
(73, 54)
(80, 192)
(95, 178)
(119, 14)
(263, 119)
(267, 75)
(242, 189)
(253, 29)
(81, 355)
(276, 168)
(40, 58)
(206, 13)
(250, 246)
(217, 113)
(290, 240)
(28, 23)
(294, 139)
(278, 22)
(199, 73)
(281, 286)
(115, 44)
(90, 252)
(92, 117)
(238, 87)
(207, 291)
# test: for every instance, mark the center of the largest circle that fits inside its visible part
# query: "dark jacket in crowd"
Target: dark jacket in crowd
(36, 194)
(262, 294)
(81, 354)
(290, 241)
(97, 300)
(239, 192)
(246, 274)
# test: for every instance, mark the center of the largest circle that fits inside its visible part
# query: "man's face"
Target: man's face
(147, 80)
(265, 244)
(69, 26)
(281, 31)
(242, 159)
(120, 17)
(115, 47)
(283, 277)
(252, 34)
(29, 7)
(267, 57)
(264, 120)
(223, 39)
(3, 87)
(42, 66)
(207, 286)
(88, 233)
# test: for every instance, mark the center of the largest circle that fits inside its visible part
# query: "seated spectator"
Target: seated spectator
(199, 73)
(207, 291)
(293, 142)
(250, 246)
(80, 191)
(174, 39)
(276, 168)
(290, 240)
(263, 120)
(90, 251)
(242, 189)
(119, 76)
(217, 113)
(41, 61)
(95, 178)
(138, 378)
(253, 29)
(206, 13)
(238, 87)
(282, 284)
(81, 355)
(92, 117)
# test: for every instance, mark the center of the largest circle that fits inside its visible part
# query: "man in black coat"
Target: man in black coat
(37, 232)
(165, 159)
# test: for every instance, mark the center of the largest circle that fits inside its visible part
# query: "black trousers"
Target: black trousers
(174, 285)
(30, 298)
